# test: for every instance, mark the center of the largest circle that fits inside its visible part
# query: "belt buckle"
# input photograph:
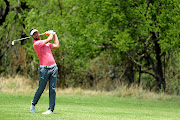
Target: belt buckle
(45, 67)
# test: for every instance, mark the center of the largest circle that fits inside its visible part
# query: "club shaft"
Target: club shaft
(22, 38)
(26, 37)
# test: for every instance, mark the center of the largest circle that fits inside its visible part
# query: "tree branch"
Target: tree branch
(59, 1)
(147, 7)
(6, 48)
(149, 73)
(6, 12)
(133, 60)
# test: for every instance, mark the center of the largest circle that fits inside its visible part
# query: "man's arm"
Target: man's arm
(56, 43)
(50, 37)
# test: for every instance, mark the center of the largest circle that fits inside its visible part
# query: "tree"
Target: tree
(150, 25)
(145, 30)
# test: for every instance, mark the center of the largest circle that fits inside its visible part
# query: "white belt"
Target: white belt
(51, 66)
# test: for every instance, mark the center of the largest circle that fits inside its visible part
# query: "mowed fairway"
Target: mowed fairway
(83, 107)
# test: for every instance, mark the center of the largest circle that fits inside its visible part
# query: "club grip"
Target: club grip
(47, 34)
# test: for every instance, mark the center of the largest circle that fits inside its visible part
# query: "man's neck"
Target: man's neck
(37, 39)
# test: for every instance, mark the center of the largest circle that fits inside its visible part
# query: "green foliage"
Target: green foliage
(90, 30)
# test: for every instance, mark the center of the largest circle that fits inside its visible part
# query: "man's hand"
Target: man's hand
(50, 32)
(50, 35)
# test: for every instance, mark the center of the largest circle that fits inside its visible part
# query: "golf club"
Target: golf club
(24, 38)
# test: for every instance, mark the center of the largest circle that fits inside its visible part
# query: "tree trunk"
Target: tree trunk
(130, 72)
(159, 69)
(3, 17)
(139, 80)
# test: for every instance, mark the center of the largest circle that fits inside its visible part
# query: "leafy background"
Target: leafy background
(103, 43)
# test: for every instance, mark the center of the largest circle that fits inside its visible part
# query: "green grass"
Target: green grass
(77, 107)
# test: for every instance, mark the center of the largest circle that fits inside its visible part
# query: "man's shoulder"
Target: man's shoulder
(38, 42)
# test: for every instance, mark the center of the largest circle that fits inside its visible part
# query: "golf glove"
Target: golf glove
(52, 32)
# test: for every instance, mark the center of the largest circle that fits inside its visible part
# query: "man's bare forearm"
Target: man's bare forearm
(50, 37)
(56, 41)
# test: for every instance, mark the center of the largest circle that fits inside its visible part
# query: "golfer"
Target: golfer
(48, 69)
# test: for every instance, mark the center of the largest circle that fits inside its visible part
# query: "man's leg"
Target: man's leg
(43, 77)
(52, 87)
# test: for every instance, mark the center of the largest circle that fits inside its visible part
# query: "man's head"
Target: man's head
(35, 34)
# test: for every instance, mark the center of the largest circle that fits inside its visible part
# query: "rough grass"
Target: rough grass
(23, 85)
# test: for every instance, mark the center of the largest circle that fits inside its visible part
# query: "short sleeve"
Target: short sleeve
(50, 44)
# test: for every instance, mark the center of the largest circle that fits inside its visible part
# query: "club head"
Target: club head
(12, 42)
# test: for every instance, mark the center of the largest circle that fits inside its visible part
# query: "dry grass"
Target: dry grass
(138, 92)
(20, 84)
(17, 84)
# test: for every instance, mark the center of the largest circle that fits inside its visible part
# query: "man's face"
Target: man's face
(36, 36)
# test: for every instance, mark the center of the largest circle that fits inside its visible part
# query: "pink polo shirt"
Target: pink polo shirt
(44, 52)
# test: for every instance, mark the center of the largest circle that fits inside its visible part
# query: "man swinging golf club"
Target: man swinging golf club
(48, 69)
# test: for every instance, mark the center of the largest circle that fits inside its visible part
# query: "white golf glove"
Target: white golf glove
(52, 32)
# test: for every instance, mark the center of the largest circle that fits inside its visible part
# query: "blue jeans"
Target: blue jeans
(46, 74)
